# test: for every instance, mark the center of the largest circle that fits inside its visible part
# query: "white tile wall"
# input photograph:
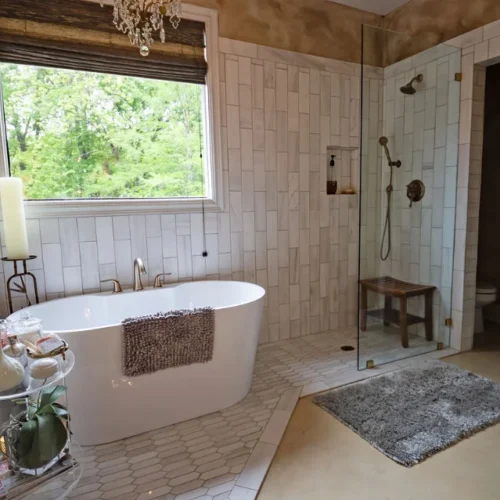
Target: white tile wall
(480, 48)
(247, 114)
(468, 192)
(280, 113)
(423, 133)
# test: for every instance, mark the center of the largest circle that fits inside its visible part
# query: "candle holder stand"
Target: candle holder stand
(14, 286)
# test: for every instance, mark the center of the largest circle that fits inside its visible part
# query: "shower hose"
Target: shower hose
(387, 226)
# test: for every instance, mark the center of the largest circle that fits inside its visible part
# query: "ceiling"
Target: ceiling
(381, 7)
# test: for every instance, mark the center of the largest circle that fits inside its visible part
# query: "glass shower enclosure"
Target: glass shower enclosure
(408, 177)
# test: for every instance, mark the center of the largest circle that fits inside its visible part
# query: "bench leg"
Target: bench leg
(363, 307)
(428, 316)
(403, 324)
(387, 308)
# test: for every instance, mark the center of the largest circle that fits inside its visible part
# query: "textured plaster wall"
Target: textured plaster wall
(430, 22)
(315, 27)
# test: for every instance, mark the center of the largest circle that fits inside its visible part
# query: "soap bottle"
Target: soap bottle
(331, 184)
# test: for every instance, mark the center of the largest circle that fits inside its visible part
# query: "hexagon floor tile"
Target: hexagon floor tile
(224, 455)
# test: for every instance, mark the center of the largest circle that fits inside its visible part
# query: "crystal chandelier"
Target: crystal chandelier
(140, 18)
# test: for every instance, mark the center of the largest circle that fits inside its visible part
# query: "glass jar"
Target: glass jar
(5, 327)
(17, 350)
(27, 328)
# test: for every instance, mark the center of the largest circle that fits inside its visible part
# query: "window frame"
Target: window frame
(214, 200)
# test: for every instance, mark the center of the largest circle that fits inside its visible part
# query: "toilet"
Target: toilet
(485, 295)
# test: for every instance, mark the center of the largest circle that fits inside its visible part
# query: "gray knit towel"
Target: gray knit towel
(167, 340)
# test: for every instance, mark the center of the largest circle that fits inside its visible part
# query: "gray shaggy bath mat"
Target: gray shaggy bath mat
(411, 414)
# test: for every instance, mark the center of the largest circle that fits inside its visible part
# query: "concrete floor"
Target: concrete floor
(319, 458)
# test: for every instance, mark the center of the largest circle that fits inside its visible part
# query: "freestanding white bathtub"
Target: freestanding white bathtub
(107, 406)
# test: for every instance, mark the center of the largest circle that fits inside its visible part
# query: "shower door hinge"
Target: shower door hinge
(448, 322)
(458, 77)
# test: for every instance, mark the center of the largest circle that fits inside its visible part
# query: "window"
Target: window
(77, 134)
(105, 131)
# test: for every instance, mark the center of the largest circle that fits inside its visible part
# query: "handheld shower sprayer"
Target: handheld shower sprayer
(383, 141)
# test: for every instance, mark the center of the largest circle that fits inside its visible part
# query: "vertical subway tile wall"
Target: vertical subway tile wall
(423, 133)
(280, 112)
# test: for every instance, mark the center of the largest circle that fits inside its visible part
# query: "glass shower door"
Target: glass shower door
(409, 158)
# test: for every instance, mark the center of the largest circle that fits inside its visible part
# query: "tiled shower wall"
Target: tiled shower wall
(371, 171)
(280, 113)
(480, 48)
(423, 133)
(467, 230)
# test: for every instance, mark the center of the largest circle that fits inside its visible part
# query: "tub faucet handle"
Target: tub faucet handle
(117, 288)
(158, 279)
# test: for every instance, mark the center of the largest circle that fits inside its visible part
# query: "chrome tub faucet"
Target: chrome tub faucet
(139, 269)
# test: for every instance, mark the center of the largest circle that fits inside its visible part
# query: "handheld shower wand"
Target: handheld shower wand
(383, 141)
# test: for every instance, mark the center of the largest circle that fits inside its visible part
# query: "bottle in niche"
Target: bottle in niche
(331, 184)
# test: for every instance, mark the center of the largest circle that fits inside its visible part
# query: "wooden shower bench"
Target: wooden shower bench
(393, 288)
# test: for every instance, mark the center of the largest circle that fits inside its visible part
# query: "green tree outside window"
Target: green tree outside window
(75, 134)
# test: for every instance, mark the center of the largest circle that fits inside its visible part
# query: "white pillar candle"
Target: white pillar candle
(14, 221)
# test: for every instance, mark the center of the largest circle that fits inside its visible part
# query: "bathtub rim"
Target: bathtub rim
(260, 289)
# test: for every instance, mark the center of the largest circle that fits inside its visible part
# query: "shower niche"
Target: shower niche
(342, 170)
(408, 182)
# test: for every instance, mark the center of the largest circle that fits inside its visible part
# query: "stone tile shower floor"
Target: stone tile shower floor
(224, 455)
(383, 345)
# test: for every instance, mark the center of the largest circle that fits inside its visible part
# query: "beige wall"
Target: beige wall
(327, 29)
(331, 30)
(431, 22)
(315, 27)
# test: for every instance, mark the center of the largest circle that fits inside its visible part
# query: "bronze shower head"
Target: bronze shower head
(409, 89)
(383, 141)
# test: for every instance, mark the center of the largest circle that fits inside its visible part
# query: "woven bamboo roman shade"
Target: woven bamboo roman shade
(74, 34)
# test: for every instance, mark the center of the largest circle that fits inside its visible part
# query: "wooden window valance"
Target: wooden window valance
(81, 35)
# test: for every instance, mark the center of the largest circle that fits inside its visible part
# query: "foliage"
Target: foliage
(75, 134)
(43, 434)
